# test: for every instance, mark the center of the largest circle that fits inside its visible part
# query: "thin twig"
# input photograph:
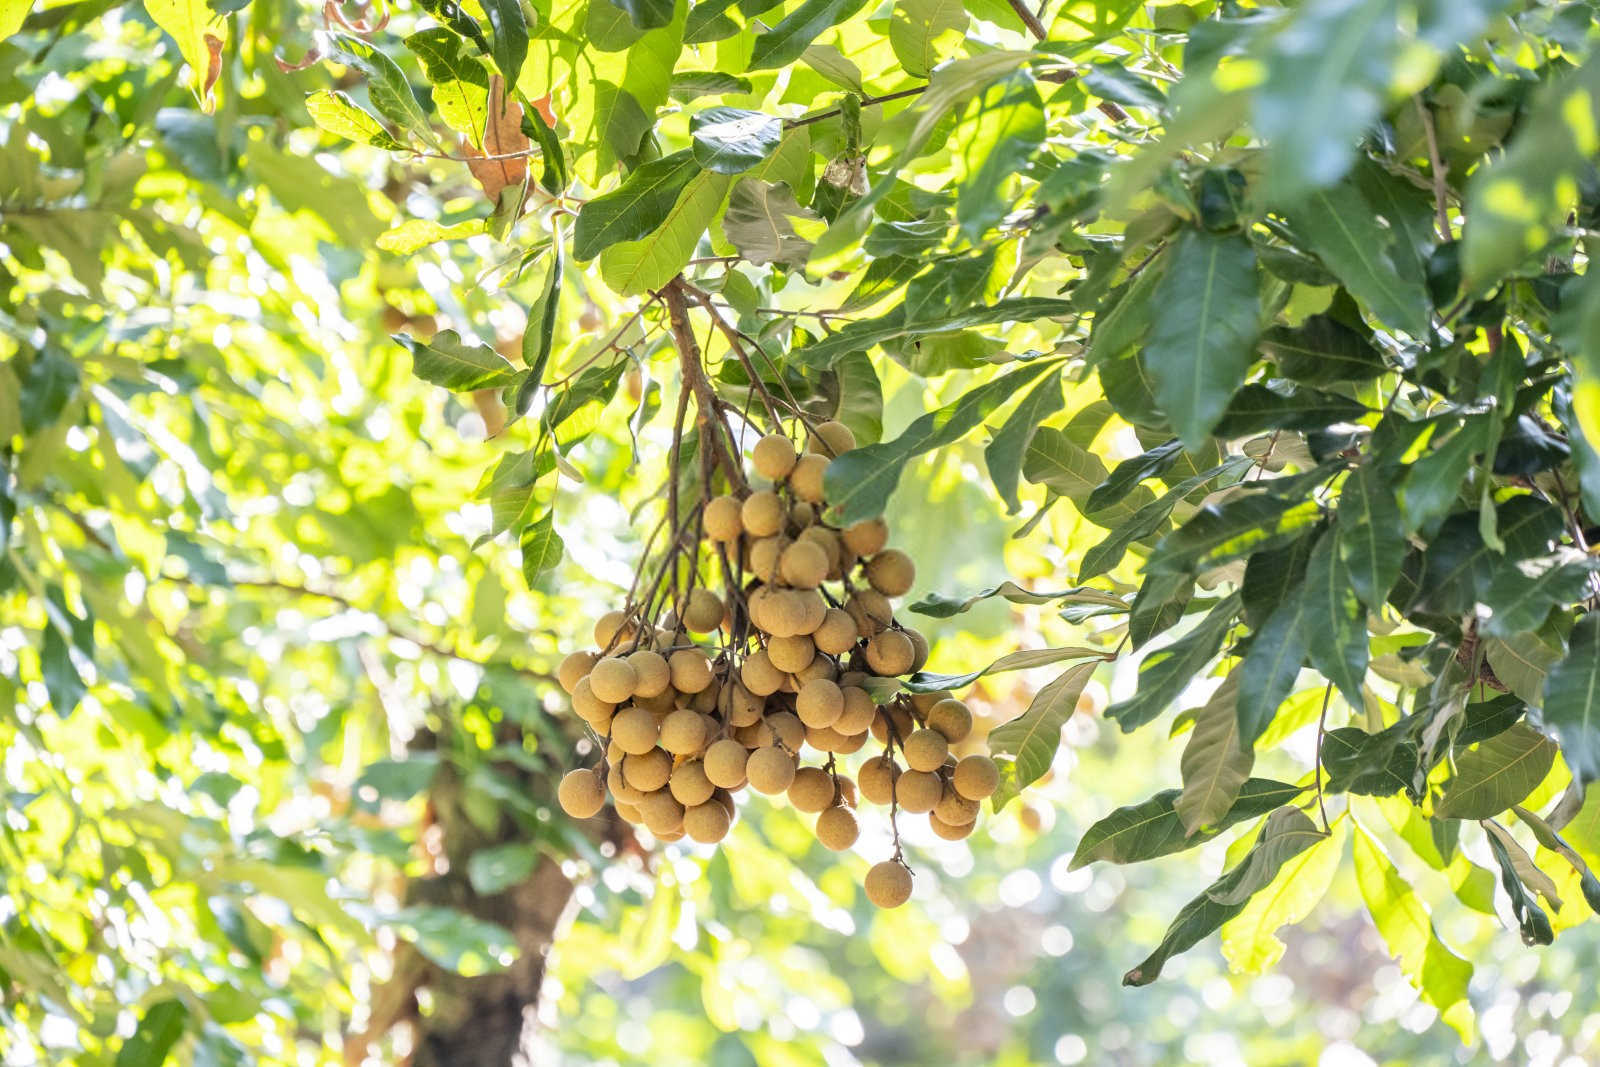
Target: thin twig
(866, 101)
(1439, 190)
(1322, 731)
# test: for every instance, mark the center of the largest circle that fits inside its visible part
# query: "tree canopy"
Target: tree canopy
(1230, 371)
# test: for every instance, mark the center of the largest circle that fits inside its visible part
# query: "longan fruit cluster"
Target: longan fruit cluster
(801, 659)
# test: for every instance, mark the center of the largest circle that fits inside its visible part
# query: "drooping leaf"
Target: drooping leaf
(1515, 865)
(200, 36)
(760, 222)
(1216, 762)
(1167, 671)
(1371, 535)
(929, 682)
(457, 364)
(635, 208)
(339, 115)
(1239, 527)
(634, 267)
(1572, 700)
(1323, 349)
(1269, 669)
(1030, 740)
(1500, 772)
(1335, 622)
(1004, 453)
(784, 43)
(1151, 829)
(939, 606)
(541, 547)
(1248, 941)
(996, 142)
(864, 334)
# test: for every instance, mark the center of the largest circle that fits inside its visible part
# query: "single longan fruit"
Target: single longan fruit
(806, 478)
(888, 884)
(770, 770)
(662, 702)
(774, 457)
(856, 718)
(949, 831)
(691, 670)
(919, 649)
(824, 738)
(762, 513)
(788, 729)
(763, 557)
(811, 608)
(826, 540)
(662, 814)
(705, 701)
(820, 667)
(582, 794)
(721, 519)
(831, 438)
(613, 626)
(630, 813)
(620, 789)
(812, 790)
(635, 730)
(955, 809)
(976, 777)
(613, 679)
(877, 779)
(653, 676)
(689, 784)
(704, 611)
(740, 706)
(759, 675)
(924, 702)
(925, 750)
(837, 829)
(589, 707)
(784, 613)
(791, 654)
(574, 668)
(803, 565)
(802, 515)
(649, 771)
(952, 718)
(890, 654)
(871, 611)
(819, 703)
(758, 603)
(837, 634)
(891, 572)
(724, 763)
(918, 791)
(683, 732)
(895, 715)
(707, 823)
(866, 538)
(849, 743)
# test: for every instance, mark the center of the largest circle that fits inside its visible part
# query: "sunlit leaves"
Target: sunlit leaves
(200, 36)
(1030, 740)
(635, 208)
(339, 115)
(457, 364)
(1572, 700)
(633, 267)
(761, 223)
(1205, 316)
(1152, 828)
(996, 141)
(917, 28)
(784, 43)
(1500, 772)
(1248, 940)
(459, 79)
(159, 1029)
(1216, 761)
(1336, 624)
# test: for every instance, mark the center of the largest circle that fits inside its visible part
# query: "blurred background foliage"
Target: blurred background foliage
(247, 626)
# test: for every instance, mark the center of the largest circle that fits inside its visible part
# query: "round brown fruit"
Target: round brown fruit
(890, 654)
(819, 703)
(613, 679)
(635, 730)
(837, 829)
(791, 654)
(770, 770)
(871, 611)
(955, 809)
(683, 732)
(918, 791)
(949, 831)
(812, 789)
(877, 779)
(976, 777)
(788, 729)
(891, 572)
(725, 762)
(888, 884)
(662, 814)
(804, 564)
(704, 611)
(831, 438)
(721, 519)
(590, 708)
(919, 649)
(689, 784)
(653, 676)
(924, 702)
(759, 676)
(691, 670)
(762, 513)
(925, 750)
(837, 634)
(764, 557)
(707, 823)
(774, 456)
(856, 718)
(866, 538)
(582, 793)
(649, 771)
(806, 478)
(574, 668)
(613, 626)
(952, 718)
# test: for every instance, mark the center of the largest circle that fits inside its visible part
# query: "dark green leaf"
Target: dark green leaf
(1500, 772)
(1280, 405)
(455, 364)
(784, 43)
(864, 334)
(1235, 528)
(1535, 924)
(1166, 672)
(1151, 829)
(541, 548)
(1572, 700)
(1522, 592)
(635, 208)
(1335, 623)
(159, 1029)
(937, 606)
(511, 35)
(1268, 672)
(1372, 541)
(731, 140)
(1004, 453)
(1030, 740)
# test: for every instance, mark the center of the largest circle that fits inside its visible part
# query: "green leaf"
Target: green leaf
(997, 141)
(1514, 865)
(690, 85)
(459, 79)
(1500, 772)
(1572, 700)
(1149, 518)
(1346, 233)
(454, 940)
(759, 222)
(1215, 761)
(456, 364)
(631, 268)
(159, 1029)
(541, 548)
(538, 339)
(1151, 829)
(864, 334)
(1031, 739)
(387, 86)
(12, 15)
(1004, 453)
(1335, 623)
(1281, 405)
(199, 33)
(1402, 920)
(1371, 533)
(1522, 592)
(494, 870)
(732, 140)
(1238, 527)
(648, 14)
(938, 606)
(1130, 472)
(1287, 833)
(784, 43)
(398, 779)
(1166, 672)
(413, 235)
(1269, 670)
(1248, 941)
(510, 27)
(1323, 349)
(916, 27)
(638, 206)
(858, 483)
(339, 115)
(1203, 331)
(1522, 661)
(928, 682)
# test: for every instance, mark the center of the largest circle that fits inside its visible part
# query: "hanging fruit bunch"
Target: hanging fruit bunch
(777, 683)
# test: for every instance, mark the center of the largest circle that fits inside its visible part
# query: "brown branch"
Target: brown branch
(708, 408)
(1437, 165)
(866, 101)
